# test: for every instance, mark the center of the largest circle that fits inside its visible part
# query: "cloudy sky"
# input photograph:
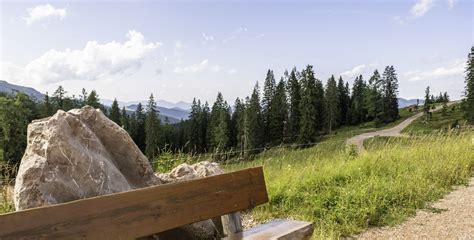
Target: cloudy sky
(184, 49)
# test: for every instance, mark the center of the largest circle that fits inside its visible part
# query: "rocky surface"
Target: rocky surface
(81, 153)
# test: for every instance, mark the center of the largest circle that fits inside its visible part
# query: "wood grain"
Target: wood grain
(140, 212)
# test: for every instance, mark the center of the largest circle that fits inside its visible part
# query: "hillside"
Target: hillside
(12, 88)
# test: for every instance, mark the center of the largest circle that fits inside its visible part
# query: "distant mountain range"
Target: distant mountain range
(173, 111)
(402, 102)
(12, 89)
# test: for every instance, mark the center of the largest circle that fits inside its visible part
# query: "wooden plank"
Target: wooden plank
(231, 223)
(281, 229)
(140, 212)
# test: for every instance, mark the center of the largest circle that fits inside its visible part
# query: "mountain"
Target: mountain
(173, 114)
(174, 111)
(12, 88)
(402, 102)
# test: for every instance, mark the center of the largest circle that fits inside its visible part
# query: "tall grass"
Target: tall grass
(343, 193)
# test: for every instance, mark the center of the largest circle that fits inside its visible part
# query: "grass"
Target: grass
(438, 123)
(343, 193)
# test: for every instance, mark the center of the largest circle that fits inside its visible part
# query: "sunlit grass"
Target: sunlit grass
(343, 194)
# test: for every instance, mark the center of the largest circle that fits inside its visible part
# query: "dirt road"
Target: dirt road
(390, 132)
(450, 218)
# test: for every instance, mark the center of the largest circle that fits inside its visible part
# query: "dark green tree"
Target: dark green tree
(152, 129)
(374, 99)
(390, 92)
(358, 110)
(278, 115)
(344, 101)
(309, 114)
(93, 100)
(125, 119)
(114, 114)
(468, 101)
(269, 88)
(294, 94)
(332, 104)
(58, 97)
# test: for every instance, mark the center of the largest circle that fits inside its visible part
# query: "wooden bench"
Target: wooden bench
(147, 211)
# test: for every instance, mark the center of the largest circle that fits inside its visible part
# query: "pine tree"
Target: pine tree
(358, 110)
(332, 104)
(219, 129)
(47, 108)
(125, 120)
(294, 89)
(269, 89)
(374, 98)
(278, 115)
(390, 92)
(138, 127)
(238, 124)
(254, 122)
(468, 101)
(344, 99)
(195, 131)
(115, 112)
(93, 100)
(320, 106)
(83, 97)
(427, 104)
(152, 128)
(308, 107)
(204, 126)
(58, 97)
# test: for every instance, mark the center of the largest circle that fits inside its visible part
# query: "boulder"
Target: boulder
(81, 153)
(78, 154)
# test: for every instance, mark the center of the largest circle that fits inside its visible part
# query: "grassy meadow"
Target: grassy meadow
(343, 193)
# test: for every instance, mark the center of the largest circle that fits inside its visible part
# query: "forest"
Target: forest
(296, 110)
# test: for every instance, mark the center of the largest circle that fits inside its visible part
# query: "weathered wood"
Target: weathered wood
(232, 223)
(281, 229)
(140, 212)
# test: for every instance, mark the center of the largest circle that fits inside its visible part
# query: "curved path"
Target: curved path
(358, 140)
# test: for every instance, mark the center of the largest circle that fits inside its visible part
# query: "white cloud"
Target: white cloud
(193, 68)
(421, 7)
(356, 71)
(93, 62)
(42, 12)
(232, 71)
(456, 69)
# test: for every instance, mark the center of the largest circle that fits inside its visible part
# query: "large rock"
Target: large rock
(81, 153)
(78, 154)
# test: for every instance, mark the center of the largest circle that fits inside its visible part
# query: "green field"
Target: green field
(344, 194)
(438, 123)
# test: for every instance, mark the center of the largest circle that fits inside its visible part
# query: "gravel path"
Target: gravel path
(454, 219)
(358, 140)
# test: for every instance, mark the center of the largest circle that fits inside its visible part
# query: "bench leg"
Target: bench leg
(232, 224)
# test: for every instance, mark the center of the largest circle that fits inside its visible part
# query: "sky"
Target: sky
(178, 50)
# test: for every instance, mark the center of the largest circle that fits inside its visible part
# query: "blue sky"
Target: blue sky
(184, 49)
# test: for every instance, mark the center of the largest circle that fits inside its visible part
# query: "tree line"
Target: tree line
(299, 109)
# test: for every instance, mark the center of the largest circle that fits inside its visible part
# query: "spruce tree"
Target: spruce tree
(93, 100)
(83, 97)
(278, 115)
(204, 125)
(115, 112)
(374, 98)
(358, 110)
(253, 122)
(320, 106)
(47, 108)
(427, 104)
(390, 92)
(125, 120)
(344, 99)
(308, 107)
(294, 94)
(195, 128)
(269, 89)
(58, 97)
(219, 129)
(139, 127)
(238, 124)
(468, 101)
(152, 128)
(332, 104)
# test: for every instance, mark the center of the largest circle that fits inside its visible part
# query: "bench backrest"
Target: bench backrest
(140, 212)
